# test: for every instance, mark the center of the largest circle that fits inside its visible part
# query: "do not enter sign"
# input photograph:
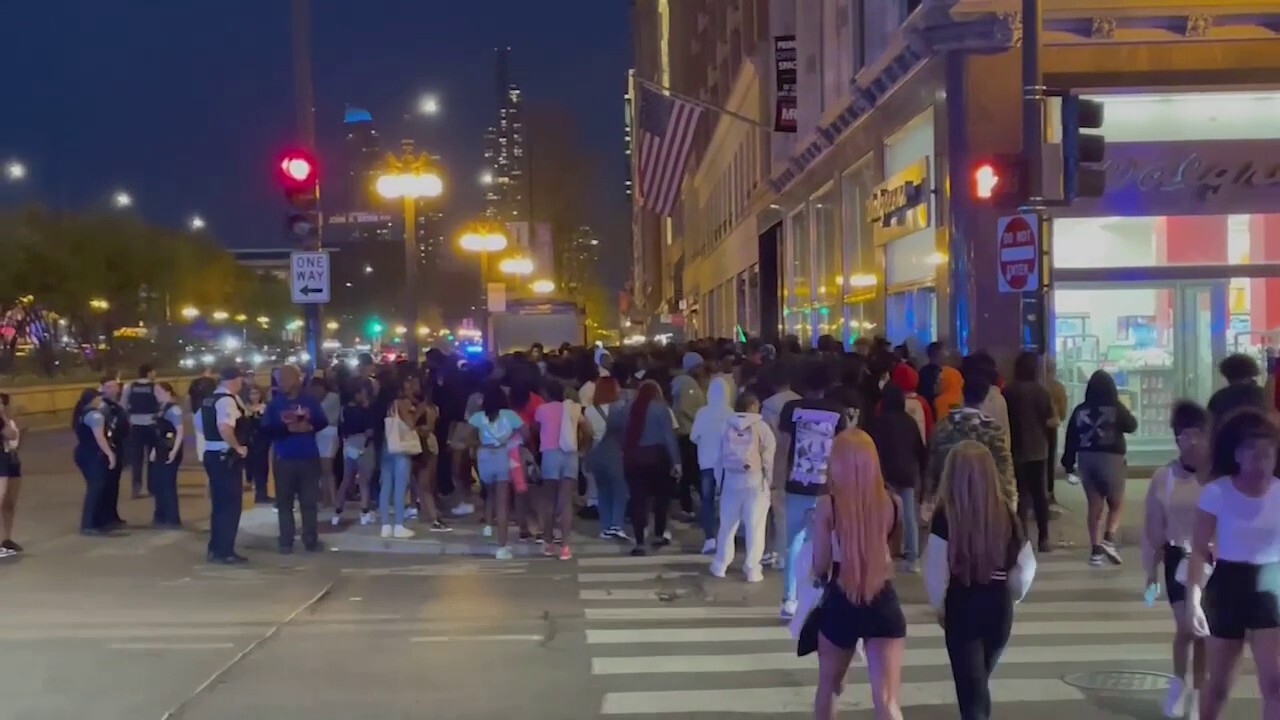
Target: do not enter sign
(1018, 253)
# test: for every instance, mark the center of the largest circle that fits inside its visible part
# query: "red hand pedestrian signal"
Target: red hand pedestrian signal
(999, 181)
(985, 180)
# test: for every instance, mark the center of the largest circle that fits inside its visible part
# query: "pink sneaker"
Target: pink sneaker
(565, 553)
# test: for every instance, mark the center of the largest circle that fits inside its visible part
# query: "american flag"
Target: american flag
(664, 138)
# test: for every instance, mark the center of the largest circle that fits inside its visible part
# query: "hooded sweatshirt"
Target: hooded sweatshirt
(997, 409)
(771, 411)
(905, 378)
(903, 457)
(709, 423)
(950, 392)
(757, 473)
(687, 396)
(1098, 424)
(969, 423)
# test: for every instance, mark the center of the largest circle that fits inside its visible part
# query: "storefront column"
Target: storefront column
(1264, 294)
(1186, 240)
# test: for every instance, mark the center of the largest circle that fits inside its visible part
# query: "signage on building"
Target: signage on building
(309, 277)
(357, 218)
(786, 75)
(1018, 253)
(900, 205)
(1194, 177)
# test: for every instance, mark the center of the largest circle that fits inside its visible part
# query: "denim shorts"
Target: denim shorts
(493, 465)
(559, 465)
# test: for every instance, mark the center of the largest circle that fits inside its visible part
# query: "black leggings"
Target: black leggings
(648, 472)
(1033, 491)
(977, 625)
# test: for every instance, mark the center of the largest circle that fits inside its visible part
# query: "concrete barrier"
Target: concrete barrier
(49, 406)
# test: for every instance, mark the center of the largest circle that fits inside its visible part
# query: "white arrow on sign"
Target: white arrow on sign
(309, 279)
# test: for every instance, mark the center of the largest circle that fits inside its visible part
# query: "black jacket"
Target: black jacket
(903, 455)
(1098, 424)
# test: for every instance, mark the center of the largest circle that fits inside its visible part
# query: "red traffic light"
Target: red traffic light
(297, 167)
(999, 180)
(985, 179)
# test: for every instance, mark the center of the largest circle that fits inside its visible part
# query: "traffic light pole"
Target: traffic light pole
(1035, 303)
(304, 97)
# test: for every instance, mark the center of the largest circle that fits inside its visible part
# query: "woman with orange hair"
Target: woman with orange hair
(852, 525)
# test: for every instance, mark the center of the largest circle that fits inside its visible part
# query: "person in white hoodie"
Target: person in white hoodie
(708, 429)
(745, 472)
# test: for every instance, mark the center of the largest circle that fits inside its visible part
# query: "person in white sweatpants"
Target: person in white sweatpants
(745, 469)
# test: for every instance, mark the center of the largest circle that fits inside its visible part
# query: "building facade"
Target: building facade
(507, 175)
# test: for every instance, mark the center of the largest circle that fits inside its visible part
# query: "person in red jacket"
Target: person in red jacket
(905, 378)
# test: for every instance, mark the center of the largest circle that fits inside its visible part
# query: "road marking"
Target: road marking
(443, 570)
(170, 646)
(1090, 583)
(633, 594)
(624, 560)
(635, 576)
(920, 630)
(912, 657)
(480, 638)
(916, 611)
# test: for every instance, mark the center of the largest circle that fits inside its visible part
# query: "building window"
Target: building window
(799, 249)
(824, 210)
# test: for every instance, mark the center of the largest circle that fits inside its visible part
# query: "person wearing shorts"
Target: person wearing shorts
(499, 430)
(1095, 445)
(558, 422)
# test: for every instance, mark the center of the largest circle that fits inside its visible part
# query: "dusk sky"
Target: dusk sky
(185, 104)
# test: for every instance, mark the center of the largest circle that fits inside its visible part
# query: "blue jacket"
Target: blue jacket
(293, 445)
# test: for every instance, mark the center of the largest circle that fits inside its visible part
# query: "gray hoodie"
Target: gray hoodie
(757, 473)
(771, 411)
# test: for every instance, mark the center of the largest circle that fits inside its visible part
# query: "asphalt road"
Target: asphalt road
(139, 628)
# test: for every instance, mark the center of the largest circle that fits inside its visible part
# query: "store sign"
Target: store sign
(1212, 177)
(785, 73)
(900, 205)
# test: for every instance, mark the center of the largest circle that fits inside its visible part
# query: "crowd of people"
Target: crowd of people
(835, 467)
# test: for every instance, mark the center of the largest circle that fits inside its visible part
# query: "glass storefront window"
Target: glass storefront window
(911, 318)
(825, 213)
(1166, 240)
(753, 301)
(799, 257)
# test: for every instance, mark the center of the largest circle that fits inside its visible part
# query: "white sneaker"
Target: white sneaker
(666, 534)
(463, 509)
(410, 513)
(401, 532)
(789, 609)
(717, 571)
(503, 553)
(769, 559)
(337, 520)
(621, 534)
(367, 518)
(386, 531)
(1175, 700)
(755, 576)
(487, 531)
(709, 547)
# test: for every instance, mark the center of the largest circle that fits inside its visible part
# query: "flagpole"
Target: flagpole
(703, 104)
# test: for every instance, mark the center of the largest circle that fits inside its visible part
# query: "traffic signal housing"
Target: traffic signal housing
(299, 176)
(1082, 152)
(999, 180)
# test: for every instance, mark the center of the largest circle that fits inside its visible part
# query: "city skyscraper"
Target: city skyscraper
(507, 193)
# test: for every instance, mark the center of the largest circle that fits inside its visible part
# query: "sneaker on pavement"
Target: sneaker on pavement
(769, 559)
(503, 553)
(487, 531)
(666, 535)
(716, 570)
(605, 535)
(386, 531)
(1096, 556)
(565, 553)
(438, 526)
(788, 609)
(410, 513)
(548, 550)
(755, 576)
(1112, 552)
(1175, 700)
(463, 509)
(337, 520)
(401, 532)
(620, 534)
(709, 546)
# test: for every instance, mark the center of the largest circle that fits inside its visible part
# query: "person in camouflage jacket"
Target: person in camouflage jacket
(968, 423)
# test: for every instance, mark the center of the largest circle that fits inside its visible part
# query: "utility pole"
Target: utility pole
(304, 99)
(411, 260)
(1035, 303)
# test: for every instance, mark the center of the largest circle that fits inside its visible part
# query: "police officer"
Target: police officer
(222, 424)
(117, 421)
(166, 458)
(94, 457)
(142, 406)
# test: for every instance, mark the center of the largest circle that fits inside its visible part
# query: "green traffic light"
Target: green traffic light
(375, 326)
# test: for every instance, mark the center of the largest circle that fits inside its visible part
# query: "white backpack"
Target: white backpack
(738, 449)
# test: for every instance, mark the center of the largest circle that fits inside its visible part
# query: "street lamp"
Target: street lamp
(197, 222)
(543, 287)
(15, 171)
(429, 105)
(190, 313)
(99, 305)
(122, 200)
(220, 315)
(241, 317)
(331, 325)
(516, 266)
(486, 178)
(410, 177)
(484, 238)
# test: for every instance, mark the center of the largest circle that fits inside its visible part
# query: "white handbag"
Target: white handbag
(401, 439)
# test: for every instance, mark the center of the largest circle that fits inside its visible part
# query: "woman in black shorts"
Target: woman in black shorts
(851, 547)
(10, 476)
(1239, 517)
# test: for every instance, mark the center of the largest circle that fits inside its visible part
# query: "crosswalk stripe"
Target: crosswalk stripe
(1038, 588)
(1053, 563)
(912, 611)
(783, 700)
(658, 559)
(596, 636)
(646, 576)
(912, 657)
(631, 594)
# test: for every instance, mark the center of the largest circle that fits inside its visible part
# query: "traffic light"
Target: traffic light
(1082, 152)
(375, 326)
(1000, 180)
(300, 177)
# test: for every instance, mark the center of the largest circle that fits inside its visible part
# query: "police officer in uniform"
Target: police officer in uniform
(117, 419)
(222, 424)
(142, 406)
(94, 457)
(166, 459)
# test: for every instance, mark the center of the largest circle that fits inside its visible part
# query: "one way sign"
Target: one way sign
(309, 277)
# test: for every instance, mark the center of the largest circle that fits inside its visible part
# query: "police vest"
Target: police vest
(142, 399)
(209, 419)
(166, 432)
(115, 423)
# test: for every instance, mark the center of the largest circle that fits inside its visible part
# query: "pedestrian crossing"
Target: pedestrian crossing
(667, 640)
